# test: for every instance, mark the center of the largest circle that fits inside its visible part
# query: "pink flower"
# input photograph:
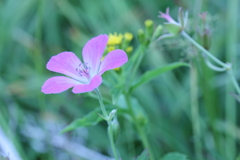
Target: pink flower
(167, 16)
(86, 76)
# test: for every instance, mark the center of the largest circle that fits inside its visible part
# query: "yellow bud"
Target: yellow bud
(128, 36)
(110, 48)
(141, 36)
(148, 23)
(149, 28)
(129, 49)
(117, 69)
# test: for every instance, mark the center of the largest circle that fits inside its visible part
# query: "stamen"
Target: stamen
(83, 69)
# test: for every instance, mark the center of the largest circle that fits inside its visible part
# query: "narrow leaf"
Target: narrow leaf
(144, 156)
(236, 96)
(116, 92)
(90, 119)
(150, 75)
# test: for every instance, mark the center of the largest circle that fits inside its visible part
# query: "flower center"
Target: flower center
(83, 69)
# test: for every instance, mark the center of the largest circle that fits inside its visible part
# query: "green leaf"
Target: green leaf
(236, 96)
(173, 28)
(175, 156)
(116, 92)
(149, 75)
(139, 112)
(90, 119)
(144, 156)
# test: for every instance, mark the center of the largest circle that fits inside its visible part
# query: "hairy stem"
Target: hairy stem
(106, 117)
(184, 34)
(234, 81)
(227, 66)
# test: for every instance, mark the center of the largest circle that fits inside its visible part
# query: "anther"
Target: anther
(83, 69)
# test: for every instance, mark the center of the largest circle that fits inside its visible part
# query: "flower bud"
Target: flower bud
(206, 39)
(172, 26)
(141, 36)
(117, 69)
(128, 36)
(114, 128)
(149, 28)
(110, 48)
(129, 49)
(157, 32)
(205, 31)
(127, 39)
(142, 120)
(112, 114)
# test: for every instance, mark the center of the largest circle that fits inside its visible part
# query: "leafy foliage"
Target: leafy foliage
(175, 156)
(144, 156)
(149, 75)
(90, 119)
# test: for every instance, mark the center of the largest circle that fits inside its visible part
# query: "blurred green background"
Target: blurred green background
(31, 31)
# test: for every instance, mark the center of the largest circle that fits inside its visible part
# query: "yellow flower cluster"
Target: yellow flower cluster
(115, 39)
(119, 41)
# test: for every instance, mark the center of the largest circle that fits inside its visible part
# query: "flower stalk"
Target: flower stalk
(108, 119)
(227, 66)
(184, 34)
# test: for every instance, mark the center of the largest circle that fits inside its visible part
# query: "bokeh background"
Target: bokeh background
(31, 31)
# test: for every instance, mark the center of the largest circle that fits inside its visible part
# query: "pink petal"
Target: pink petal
(95, 82)
(93, 51)
(114, 59)
(167, 16)
(58, 84)
(66, 63)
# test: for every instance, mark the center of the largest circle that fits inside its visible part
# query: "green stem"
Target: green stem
(234, 81)
(38, 34)
(230, 114)
(101, 104)
(225, 65)
(230, 141)
(195, 114)
(184, 34)
(110, 134)
(139, 128)
(37, 57)
(106, 117)
(231, 50)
